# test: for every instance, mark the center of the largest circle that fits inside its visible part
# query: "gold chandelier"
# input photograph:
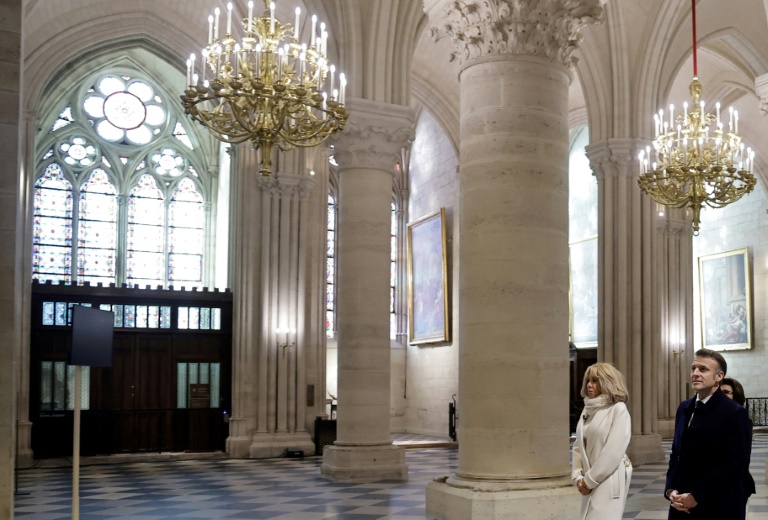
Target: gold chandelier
(268, 88)
(698, 162)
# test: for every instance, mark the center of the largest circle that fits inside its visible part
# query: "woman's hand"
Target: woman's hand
(582, 487)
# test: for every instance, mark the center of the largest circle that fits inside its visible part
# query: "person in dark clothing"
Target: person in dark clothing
(710, 450)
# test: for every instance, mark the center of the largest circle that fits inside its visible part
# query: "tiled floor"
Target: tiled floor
(287, 489)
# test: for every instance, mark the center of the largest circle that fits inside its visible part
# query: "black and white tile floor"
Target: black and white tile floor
(287, 489)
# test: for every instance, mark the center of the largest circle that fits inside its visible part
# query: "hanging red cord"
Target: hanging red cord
(693, 16)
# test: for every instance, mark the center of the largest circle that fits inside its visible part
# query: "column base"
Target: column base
(364, 463)
(25, 457)
(268, 445)
(645, 449)
(557, 501)
(238, 447)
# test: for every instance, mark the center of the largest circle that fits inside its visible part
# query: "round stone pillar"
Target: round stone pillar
(513, 257)
(367, 153)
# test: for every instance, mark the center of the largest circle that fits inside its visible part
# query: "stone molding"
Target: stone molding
(374, 136)
(761, 89)
(548, 29)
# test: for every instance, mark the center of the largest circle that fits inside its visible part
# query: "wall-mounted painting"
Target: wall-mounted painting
(725, 296)
(428, 280)
(584, 293)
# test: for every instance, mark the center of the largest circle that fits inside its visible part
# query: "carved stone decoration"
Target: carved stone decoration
(374, 136)
(546, 28)
(761, 89)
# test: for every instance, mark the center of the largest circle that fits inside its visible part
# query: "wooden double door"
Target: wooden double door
(134, 405)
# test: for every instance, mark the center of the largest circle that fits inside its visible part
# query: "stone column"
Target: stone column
(641, 279)
(270, 340)
(366, 152)
(513, 252)
(12, 284)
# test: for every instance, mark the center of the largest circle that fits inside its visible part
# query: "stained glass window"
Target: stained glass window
(52, 227)
(100, 162)
(64, 119)
(197, 374)
(186, 236)
(330, 269)
(97, 230)
(146, 233)
(57, 386)
(392, 272)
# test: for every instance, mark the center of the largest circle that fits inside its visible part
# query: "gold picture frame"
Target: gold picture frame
(725, 300)
(428, 311)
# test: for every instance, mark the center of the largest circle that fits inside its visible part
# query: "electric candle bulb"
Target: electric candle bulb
(250, 16)
(210, 29)
(229, 18)
(296, 24)
(271, 17)
(314, 24)
(216, 12)
(189, 72)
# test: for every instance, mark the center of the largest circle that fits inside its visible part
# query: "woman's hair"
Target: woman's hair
(738, 390)
(612, 383)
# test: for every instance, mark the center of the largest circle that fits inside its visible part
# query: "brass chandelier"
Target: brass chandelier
(697, 162)
(268, 88)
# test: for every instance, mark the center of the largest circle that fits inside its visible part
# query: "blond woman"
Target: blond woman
(601, 468)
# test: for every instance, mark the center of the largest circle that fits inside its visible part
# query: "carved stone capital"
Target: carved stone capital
(286, 186)
(373, 136)
(761, 89)
(615, 157)
(548, 29)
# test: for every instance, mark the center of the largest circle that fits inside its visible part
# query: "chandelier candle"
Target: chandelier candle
(267, 88)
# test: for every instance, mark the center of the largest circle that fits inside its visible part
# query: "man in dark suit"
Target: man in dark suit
(711, 449)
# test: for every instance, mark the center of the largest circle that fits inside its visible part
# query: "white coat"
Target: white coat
(599, 456)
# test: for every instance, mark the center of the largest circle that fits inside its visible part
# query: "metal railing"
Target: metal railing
(757, 407)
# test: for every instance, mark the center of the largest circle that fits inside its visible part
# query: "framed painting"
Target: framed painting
(583, 260)
(428, 280)
(725, 300)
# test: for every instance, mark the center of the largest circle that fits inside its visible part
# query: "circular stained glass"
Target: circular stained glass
(167, 162)
(77, 152)
(124, 110)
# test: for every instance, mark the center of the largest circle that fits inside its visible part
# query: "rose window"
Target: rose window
(125, 111)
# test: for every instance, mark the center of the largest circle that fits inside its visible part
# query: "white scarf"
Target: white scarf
(591, 406)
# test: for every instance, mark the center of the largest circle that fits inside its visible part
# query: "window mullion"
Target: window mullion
(121, 259)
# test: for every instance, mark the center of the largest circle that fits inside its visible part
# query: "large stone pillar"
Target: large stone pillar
(273, 340)
(366, 152)
(513, 253)
(642, 287)
(12, 284)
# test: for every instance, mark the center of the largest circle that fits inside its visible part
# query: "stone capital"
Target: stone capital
(615, 157)
(761, 89)
(285, 185)
(374, 135)
(548, 29)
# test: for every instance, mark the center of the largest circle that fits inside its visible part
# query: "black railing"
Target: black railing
(757, 407)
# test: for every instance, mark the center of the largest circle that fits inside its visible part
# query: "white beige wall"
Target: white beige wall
(742, 224)
(431, 371)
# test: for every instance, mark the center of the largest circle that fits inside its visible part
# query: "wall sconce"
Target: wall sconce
(284, 345)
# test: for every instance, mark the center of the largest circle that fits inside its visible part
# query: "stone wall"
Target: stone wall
(432, 370)
(742, 224)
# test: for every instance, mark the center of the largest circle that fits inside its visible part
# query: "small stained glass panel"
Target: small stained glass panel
(181, 385)
(165, 317)
(204, 369)
(46, 388)
(49, 313)
(216, 319)
(183, 321)
(215, 383)
(141, 316)
(205, 318)
(194, 317)
(59, 385)
(193, 372)
(118, 310)
(61, 314)
(129, 319)
(153, 317)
